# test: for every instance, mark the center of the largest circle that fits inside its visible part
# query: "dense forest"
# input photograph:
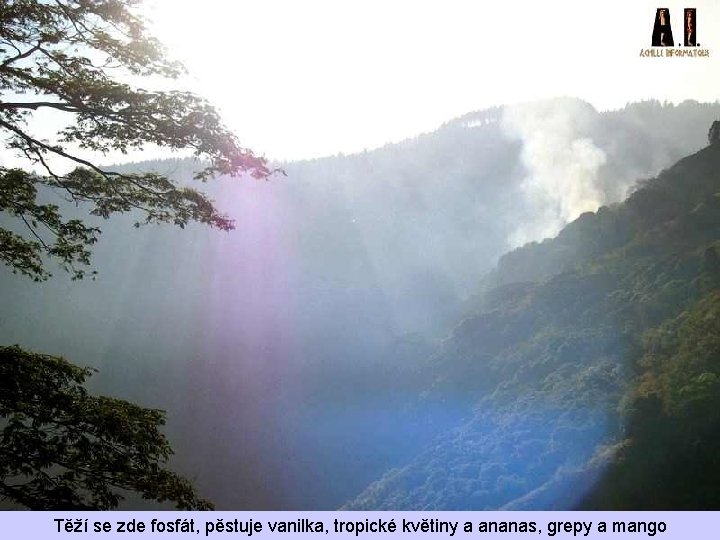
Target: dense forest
(377, 334)
(590, 369)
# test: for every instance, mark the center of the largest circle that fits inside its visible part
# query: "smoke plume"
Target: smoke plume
(562, 164)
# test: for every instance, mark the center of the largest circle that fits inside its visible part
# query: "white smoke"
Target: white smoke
(562, 164)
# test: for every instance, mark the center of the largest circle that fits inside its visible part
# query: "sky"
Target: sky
(303, 79)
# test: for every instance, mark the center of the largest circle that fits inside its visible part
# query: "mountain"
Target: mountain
(301, 356)
(591, 370)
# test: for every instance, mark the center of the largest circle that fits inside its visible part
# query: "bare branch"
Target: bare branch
(20, 56)
(56, 150)
(38, 104)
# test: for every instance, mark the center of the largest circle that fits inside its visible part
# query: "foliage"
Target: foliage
(590, 371)
(74, 57)
(673, 419)
(62, 448)
(714, 133)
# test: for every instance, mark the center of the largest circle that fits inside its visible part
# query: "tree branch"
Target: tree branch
(32, 230)
(37, 104)
(20, 56)
(54, 149)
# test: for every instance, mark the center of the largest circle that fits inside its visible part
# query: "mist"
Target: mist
(563, 165)
(295, 356)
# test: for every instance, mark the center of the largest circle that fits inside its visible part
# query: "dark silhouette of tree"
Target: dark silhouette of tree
(61, 448)
(72, 56)
(64, 449)
(714, 133)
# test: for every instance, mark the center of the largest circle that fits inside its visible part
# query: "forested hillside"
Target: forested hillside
(311, 337)
(590, 372)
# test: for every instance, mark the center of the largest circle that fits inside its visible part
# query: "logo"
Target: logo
(662, 31)
(663, 43)
(690, 33)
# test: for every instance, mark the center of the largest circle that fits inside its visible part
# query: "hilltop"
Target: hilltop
(590, 370)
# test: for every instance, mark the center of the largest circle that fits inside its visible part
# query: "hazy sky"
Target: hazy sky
(315, 77)
(307, 78)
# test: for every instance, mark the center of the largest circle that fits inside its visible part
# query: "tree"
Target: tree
(64, 449)
(73, 56)
(60, 447)
(714, 133)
